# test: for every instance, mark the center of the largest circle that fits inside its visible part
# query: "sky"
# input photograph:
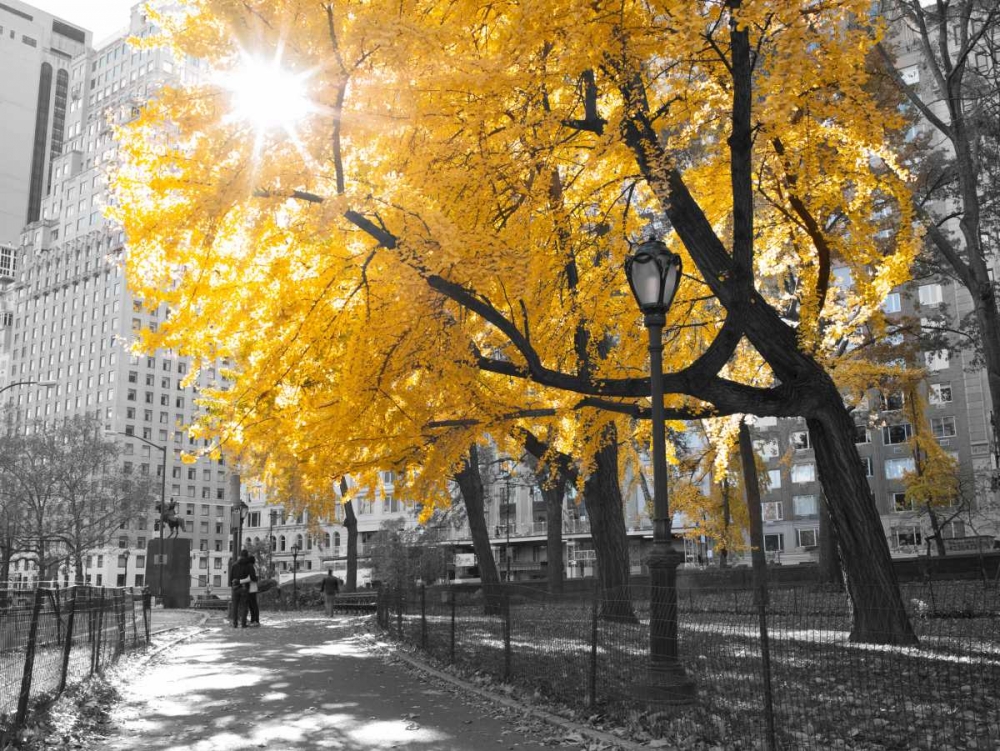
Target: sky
(102, 17)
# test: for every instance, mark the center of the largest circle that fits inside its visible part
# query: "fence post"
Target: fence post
(120, 618)
(146, 608)
(506, 635)
(29, 660)
(56, 609)
(95, 653)
(593, 652)
(452, 651)
(135, 625)
(68, 644)
(423, 617)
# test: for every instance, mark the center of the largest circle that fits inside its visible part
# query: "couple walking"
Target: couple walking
(243, 581)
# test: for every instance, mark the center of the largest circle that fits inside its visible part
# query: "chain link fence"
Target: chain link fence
(51, 638)
(778, 672)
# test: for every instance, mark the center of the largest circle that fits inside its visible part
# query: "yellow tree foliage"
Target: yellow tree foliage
(934, 481)
(709, 488)
(433, 253)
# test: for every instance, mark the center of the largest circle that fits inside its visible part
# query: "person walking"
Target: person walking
(252, 594)
(239, 580)
(329, 587)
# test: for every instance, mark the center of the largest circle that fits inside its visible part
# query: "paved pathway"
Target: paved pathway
(306, 683)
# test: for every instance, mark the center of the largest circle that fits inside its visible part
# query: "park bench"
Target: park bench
(211, 604)
(356, 602)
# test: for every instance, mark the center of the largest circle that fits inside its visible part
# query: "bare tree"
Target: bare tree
(72, 487)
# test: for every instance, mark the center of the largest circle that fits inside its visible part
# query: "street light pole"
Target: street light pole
(653, 274)
(295, 571)
(507, 525)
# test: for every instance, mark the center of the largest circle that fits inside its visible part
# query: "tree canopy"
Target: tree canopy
(478, 197)
(434, 253)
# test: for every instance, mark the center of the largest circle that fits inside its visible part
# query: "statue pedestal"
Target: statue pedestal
(168, 571)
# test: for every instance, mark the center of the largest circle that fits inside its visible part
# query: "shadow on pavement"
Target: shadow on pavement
(296, 684)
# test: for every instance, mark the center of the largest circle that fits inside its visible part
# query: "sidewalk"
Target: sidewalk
(308, 683)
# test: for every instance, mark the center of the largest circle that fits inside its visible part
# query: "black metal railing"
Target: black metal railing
(52, 638)
(779, 674)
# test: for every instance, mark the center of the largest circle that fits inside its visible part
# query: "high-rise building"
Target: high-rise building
(71, 319)
(36, 50)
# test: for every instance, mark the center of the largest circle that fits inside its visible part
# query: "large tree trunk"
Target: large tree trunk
(470, 483)
(830, 571)
(351, 523)
(879, 616)
(553, 491)
(602, 497)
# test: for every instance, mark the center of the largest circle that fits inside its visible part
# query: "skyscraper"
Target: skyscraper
(36, 50)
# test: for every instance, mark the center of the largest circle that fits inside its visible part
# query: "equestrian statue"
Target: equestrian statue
(169, 517)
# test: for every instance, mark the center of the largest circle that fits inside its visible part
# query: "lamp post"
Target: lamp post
(653, 274)
(160, 559)
(238, 512)
(507, 525)
(44, 384)
(270, 544)
(295, 571)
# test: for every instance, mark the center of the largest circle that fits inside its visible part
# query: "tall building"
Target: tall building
(36, 50)
(69, 316)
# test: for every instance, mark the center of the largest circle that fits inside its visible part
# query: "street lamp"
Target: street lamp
(295, 571)
(654, 274)
(270, 544)
(161, 559)
(239, 513)
(44, 384)
(507, 525)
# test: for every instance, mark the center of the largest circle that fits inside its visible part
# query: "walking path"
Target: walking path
(308, 682)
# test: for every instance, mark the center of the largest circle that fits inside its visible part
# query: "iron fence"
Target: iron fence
(51, 638)
(778, 672)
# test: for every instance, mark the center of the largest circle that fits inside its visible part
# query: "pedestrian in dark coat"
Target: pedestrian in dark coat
(239, 580)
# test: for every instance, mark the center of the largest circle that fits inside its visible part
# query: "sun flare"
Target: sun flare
(267, 95)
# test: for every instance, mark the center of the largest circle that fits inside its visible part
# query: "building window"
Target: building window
(891, 304)
(943, 427)
(800, 440)
(929, 294)
(773, 479)
(910, 75)
(803, 473)
(896, 468)
(774, 543)
(772, 511)
(862, 434)
(909, 535)
(939, 393)
(805, 506)
(937, 360)
(807, 538)
(899, 503)
(893, 435)
(868, 465)
(768, 449)
(891, 402)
